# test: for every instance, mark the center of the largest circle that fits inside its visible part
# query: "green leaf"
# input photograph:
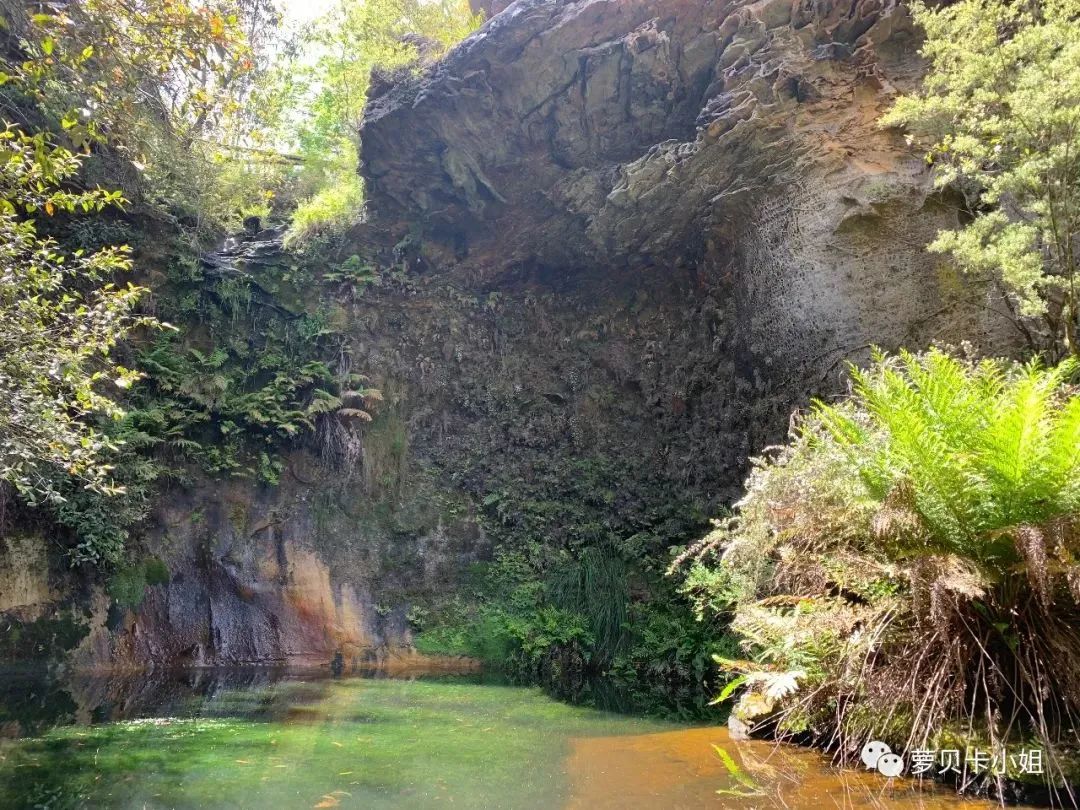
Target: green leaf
(728, 690)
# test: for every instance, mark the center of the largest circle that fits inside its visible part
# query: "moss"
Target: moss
(127, 586)
(238, 517)
(45, 638)
(386, 449)
(157, 573)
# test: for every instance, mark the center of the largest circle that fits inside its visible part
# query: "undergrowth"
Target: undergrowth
(905, 569)
(575, 597)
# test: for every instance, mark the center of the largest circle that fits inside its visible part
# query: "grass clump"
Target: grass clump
(327, 213)
(127, 586)
(907, 565)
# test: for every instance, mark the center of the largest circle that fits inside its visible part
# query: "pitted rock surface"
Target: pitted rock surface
(593, 113)
(736, 141)
(618, 242)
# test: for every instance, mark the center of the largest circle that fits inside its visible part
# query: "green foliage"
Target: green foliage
(330, 211)
(157, 573)
(512, 642)
(127, 585)
(902, 545)
(746, 786)
(354, 271)
(356, 37)
(99, 526)
(575, 597)
(60, 320)
(962, 453)
(117, 57)
(667, 666)
(160, 94)
(551, 628)
(484, 640)
(250, 381)
(225, 413)
(1000, 113)
(596, 585)
(166, 85)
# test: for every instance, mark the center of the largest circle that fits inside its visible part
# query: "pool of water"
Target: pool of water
(272, 740)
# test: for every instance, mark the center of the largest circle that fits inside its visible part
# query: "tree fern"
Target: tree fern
(1063, 461)
(909, 540)
(983, 447)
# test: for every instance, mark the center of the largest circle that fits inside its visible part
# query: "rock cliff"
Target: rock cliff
(735, 142)
(621, 240)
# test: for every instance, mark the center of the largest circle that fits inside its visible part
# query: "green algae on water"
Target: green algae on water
(354, 743)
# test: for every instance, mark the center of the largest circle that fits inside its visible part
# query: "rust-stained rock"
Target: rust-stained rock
(635, 234)
(283, 575)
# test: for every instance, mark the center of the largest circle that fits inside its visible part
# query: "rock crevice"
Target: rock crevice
(636, 234)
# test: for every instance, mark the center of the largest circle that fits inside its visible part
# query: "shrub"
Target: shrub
(908, 564)
(157, 573)
(329, 212)
(127, 585)
(999, 112)
(61, 320)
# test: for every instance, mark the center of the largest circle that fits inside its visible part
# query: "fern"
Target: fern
(983, 448)
(596, 586)
(914, 537)
(322, 401)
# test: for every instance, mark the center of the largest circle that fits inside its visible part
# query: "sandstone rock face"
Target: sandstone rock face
(617, 242)
(293, 575)
(735, 141)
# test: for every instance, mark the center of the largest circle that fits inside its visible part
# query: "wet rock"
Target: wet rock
(737, 729)
(270, 577)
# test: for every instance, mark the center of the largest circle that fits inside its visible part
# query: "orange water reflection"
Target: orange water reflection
(681, 769)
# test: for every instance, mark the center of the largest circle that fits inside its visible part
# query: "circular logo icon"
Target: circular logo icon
(890, 765)
(873, 751)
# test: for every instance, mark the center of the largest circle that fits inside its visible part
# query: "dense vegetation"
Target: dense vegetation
(905, 568)
(61, 321)
(576, 597)
(144, 134)
(999, 114)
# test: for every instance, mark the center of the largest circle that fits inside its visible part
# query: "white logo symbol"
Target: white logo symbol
(890, 765)
(873, 751)
(876, 754)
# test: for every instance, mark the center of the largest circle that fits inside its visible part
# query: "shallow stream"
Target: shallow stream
(273, 741)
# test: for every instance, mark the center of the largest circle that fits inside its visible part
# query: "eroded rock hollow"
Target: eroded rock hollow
(632, 236)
